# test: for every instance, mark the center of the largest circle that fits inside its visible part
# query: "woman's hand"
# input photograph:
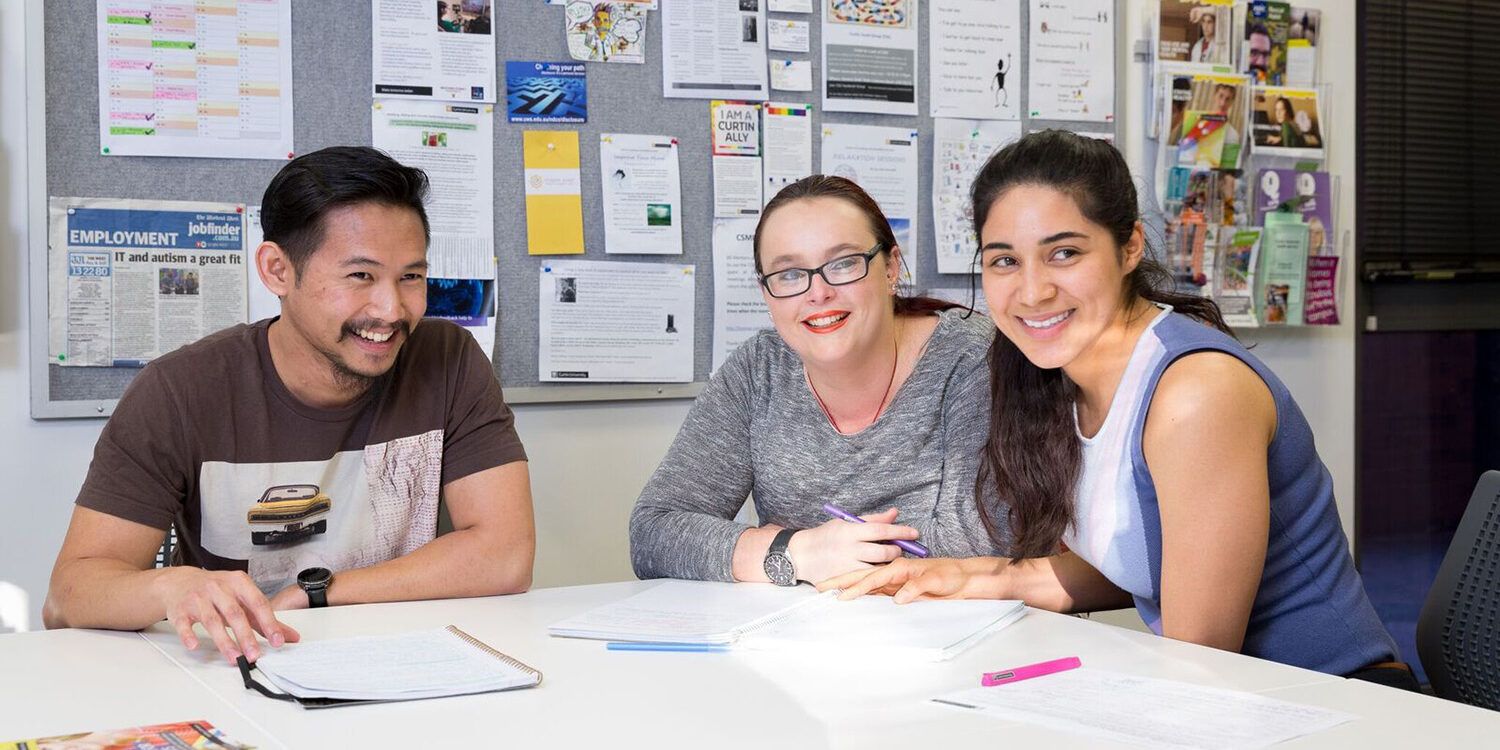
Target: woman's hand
(837, 547)
(907, 580)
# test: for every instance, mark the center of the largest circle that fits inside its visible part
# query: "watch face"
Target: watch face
(314, 577)
(779, 569)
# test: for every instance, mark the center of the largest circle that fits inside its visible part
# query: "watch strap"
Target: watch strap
(317, 596)
(780, 542)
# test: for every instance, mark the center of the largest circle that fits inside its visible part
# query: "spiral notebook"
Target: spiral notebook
(753, 616)
(425, 664)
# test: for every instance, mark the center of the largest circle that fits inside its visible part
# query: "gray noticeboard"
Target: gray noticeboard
(331, 81)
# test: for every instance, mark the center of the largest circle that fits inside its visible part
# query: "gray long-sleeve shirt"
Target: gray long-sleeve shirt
(756, 428)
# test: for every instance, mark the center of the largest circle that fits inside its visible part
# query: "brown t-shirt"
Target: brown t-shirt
(210, 439)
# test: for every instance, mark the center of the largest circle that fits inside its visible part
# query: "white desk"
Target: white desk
(66, 681)
(591, 697)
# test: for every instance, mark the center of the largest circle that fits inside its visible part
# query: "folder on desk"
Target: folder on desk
(762, 617)
(372, 669)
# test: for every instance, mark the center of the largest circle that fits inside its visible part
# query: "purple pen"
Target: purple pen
(913, 548)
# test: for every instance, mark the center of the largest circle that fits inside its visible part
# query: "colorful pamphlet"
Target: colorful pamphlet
(1283, 270)
(182, 734)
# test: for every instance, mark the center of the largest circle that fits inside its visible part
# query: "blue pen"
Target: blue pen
(681, 647)
(916, 550)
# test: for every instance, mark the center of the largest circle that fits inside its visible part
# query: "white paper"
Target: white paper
(1143, 710)
(417, 56)
(1072, 61)
(177, 78)
(934, 630)
(686, 612)
(789, 6)
(739, 307)
(423, 664)
(883, 161)
(455, 145)
(959, 149)
(791, 75)
(737, 186)
(786, 35)
(642, 194)
(605, 32)
(974, 48)
(131, 280)
(713, 51)
(261, 302)
(607, 321)
(870, 56)
(788, 145)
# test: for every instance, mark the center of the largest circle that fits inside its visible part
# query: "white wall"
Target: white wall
(587, 461)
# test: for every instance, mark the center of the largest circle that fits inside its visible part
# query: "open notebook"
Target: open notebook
(765, 617)
(424, 664)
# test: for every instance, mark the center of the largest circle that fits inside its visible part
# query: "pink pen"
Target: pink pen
(1029, 671)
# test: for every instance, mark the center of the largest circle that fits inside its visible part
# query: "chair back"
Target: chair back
(15, 608)
(1458, 633)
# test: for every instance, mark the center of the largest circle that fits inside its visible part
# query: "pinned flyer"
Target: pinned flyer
(788, 146)
(642, 194)
(606, 321)
(606, 32)
(554, 196)
(736, 128)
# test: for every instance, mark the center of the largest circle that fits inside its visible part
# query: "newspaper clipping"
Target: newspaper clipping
(130, 280)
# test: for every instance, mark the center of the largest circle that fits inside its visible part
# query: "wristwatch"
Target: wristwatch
(778, 565)
(315, 582)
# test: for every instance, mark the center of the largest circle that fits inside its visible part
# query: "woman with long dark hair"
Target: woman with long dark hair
(1137, 452)
(861, 396)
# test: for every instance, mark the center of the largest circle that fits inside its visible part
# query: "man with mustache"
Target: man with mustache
(301, 458)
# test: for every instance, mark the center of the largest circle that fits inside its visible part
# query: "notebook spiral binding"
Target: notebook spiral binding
(488, 649)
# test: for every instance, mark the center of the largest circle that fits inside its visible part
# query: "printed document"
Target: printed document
(713, 50)
(975, 46)
(130, 280)
(960, 148)
(608, 321)
(455, 145)
(1142, 710)
(788, 145)
(1072, 61)
(642, 194)
(554, 192)
(870, 56)
(184, 78)
(420, 55)
(739, 307)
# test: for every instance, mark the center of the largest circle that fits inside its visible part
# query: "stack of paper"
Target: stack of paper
(424, 664)
(765, 617)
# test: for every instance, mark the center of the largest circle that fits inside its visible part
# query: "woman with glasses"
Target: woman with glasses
(1139, 454)
(860, 396)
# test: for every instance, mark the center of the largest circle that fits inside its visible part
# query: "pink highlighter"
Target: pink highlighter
(1029, 671)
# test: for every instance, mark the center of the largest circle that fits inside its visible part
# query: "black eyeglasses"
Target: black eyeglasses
(845, 269)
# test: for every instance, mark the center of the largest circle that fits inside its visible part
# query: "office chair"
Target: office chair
(1458, 633)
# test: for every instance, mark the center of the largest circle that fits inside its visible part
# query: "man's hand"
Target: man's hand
(229, 607)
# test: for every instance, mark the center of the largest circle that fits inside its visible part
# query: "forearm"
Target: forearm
(686, 544)
(462, 563)
(105, 593)
(1060, 583)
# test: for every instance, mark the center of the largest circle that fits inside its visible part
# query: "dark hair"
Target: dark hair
(311, 185)
(829, 186)
(1032, 457)
(1276, 108)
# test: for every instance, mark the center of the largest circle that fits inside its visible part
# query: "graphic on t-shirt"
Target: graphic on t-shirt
(354, 509)
(285, 514)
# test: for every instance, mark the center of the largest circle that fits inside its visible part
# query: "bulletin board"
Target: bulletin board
(331, 82)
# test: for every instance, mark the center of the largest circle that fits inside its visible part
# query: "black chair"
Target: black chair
(1458, 634)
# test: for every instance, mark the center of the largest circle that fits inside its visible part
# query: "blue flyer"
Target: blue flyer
(545, 92)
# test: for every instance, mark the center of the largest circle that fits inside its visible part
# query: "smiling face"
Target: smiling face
(351, 306)
(1053, 279)
(828, 325)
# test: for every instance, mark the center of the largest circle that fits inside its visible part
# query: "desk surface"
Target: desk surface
(591, 697)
